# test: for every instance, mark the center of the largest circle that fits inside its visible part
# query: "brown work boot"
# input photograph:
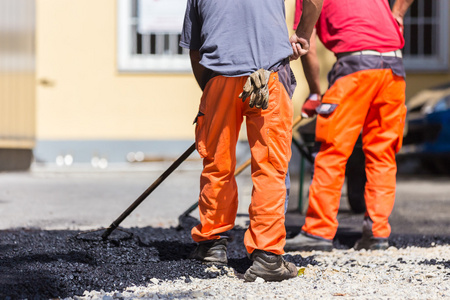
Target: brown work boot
(270, 267)
(368, 241)
(212, 252)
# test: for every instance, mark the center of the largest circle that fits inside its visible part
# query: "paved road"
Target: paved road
(80, 197)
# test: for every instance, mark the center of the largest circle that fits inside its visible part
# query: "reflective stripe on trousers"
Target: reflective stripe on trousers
(372, 101)
(269, 135)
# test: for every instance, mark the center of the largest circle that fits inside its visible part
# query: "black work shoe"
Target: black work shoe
(270, 267)
(213, 252)
(371, 243)
(304, 242)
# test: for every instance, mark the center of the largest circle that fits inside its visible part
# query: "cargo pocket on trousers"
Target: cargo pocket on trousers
(278, 133)
(200, 135)
(401, 126)
(324, 125)
(279, 150)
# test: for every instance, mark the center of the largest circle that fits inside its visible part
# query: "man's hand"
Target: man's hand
(300, 46)
(310, 105)
(399, 10)
(400, 23)
(256, 87)
(300, 40)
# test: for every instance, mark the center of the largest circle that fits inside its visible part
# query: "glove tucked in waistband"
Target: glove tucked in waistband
(256, 87)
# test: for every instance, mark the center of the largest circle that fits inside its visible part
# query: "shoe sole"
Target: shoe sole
(253, 277)
(210, 262)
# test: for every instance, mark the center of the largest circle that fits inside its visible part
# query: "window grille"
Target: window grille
(426, 36)
(154, 52)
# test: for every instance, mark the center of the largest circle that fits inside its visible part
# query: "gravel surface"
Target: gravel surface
(411, 273)
(152, 263)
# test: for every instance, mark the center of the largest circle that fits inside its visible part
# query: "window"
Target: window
(426, 36)
(148, 51)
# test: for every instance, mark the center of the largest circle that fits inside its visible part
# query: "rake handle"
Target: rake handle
(147, 192)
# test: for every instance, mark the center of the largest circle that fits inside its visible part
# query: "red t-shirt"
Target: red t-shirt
(353, 25)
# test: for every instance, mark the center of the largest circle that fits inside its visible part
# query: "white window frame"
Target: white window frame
(438, 62)
(127, 61)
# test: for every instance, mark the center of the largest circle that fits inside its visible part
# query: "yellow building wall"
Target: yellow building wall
(417, 82)
(81, 94)
(17, 122)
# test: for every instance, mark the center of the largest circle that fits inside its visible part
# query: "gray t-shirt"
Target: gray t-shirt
(237, 37)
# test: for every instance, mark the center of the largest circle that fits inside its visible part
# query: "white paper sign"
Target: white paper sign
(161, 16)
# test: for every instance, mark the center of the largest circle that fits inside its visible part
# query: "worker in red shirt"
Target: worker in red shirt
(366, 95)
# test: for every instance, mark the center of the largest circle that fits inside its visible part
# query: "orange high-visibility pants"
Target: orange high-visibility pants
(372, 101)
(269, 135)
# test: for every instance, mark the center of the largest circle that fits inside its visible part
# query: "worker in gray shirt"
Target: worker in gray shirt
(240, 58)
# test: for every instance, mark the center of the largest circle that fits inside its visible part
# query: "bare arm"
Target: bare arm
(399, 10)
(300, 39)
(197, 68)
(311, 69)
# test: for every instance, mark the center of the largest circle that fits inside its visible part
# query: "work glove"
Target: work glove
(310, 105)
(256, 87)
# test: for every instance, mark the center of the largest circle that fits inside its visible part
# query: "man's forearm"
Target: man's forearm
(310, 14)
(300, 39)
(311, 68)
(401, 7)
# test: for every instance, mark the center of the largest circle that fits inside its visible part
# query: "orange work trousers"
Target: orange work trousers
(269, 132)
(372, 101)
